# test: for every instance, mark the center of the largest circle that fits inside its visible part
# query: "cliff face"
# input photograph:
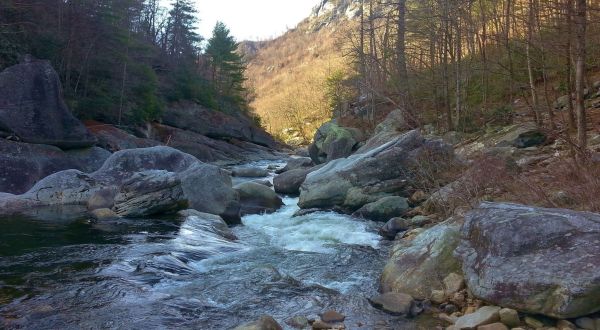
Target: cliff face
(288, 74)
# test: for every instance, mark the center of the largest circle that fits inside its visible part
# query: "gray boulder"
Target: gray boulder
(391, 169)
(394, 303)
(32, 108)
(384, 209)
(419, 266)
(209, 223)
(148, 193)
(289, 182)
(22, 165)
(297, 163)
(332, 141)
(392, 126)
(535, 260)
(135, 182)
(393, 227)
(256, 198)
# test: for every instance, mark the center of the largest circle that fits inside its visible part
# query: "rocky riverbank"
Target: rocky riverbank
(471, 264)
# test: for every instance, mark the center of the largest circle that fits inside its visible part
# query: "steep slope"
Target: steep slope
(289, 74)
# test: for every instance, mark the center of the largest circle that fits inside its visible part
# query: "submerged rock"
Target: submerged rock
(364, 178)
(33, 110)
(418, 266)
(512, 254)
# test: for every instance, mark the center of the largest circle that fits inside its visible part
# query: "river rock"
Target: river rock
(22, 165)
(141, 176)
(454, 283)
(493, 326)
(215, 124)
(148, 193)
(332, 316)
(115, 139)
(209, 223)
(393, 227)
(297, 163)
(499, 238)
(384, 209)
(418, 266)
(264, 323)
(250, 172)
(332, 141)
(33, 110)
(256, 198)
(484, 315)
(510, 317)
(394, 303)
(289, 182)
(364, 178)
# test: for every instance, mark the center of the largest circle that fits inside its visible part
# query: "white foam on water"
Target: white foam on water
(313, 232)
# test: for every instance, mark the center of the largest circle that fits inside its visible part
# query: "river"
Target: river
(165, 273)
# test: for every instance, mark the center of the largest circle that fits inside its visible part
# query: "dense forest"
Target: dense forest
(123, 61)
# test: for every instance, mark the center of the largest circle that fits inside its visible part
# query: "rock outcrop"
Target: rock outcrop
(136, 182)
(419, 266)
(332, 141)
(394, 168)
(22, 165)
(206, 149)
(115, 139)
(535, 260)
(32, 108)
(216, 124)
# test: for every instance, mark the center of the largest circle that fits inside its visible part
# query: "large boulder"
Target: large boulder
(384, 209)
(115, 139)
(216, 124)
(419, 266)
(256, 198)
(332, 141)
(395, 168)
(22, 165)
(289, 182)
(33, 110)
(206, 149)
(392, 126)
(535, 260)
(136, 182)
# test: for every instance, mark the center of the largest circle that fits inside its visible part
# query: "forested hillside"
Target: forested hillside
(457, 65)
(124, 61)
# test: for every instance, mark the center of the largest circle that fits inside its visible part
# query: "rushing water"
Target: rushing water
(162, 273)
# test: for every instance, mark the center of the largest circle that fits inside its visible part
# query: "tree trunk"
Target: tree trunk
(581, 26)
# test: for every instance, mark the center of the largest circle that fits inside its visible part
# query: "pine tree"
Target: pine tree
(181, 40)
(227, 66)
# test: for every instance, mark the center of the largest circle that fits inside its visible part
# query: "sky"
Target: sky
(252, 19)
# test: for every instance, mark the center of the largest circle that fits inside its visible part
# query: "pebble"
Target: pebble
(510, 317)
(450, 308)
(533, 322)
(438, 296)
(447, 318)
(454, 283)
(586, 323)
(297, 322)
(332, 316)
(493, 326)
(320, 325)
(565, 325)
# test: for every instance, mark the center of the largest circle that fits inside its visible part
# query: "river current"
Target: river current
(173, 274)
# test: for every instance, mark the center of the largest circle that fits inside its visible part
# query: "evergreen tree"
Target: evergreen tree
(227, 67)
(181, 39)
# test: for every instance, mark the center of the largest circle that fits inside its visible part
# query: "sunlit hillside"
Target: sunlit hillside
(289, 74)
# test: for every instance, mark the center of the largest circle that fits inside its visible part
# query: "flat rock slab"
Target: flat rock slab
(484, 315)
